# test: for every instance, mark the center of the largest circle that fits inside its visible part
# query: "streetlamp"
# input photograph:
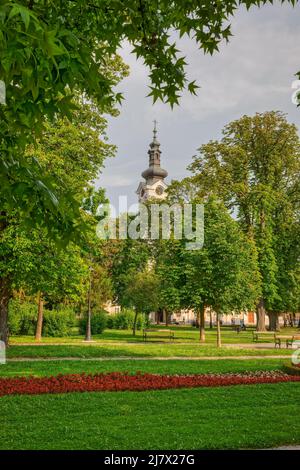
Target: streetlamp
(88, 332)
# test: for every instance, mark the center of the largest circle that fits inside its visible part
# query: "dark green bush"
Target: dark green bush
(21, 317)
(59, 322)
(98, 323)
(110, 322)
(22, 320)
(124, 320)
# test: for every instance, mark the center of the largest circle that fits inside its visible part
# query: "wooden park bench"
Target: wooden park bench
(262, 335)
(287, 339)
(169, 334)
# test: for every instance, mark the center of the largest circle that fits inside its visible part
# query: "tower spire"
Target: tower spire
(154, 172)
(155, 130)
(154, 185)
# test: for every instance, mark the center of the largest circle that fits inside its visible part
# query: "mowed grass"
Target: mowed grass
(171, 367)
(259, 416)
(136, 350)
(182, 334)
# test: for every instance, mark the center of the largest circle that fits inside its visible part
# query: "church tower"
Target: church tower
(154, 186)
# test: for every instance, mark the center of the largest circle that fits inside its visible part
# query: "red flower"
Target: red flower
(116, 381)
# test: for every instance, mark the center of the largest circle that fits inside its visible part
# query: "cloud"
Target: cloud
(253, 73)
(115, 181)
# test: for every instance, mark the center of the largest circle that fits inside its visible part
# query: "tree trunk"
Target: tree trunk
(167, 317)
(261, 316)
(88, 332)
(219, 341)
(5, 290)
(210, 319)
(273, 321)
(39, 325)
(5, 295)
(134, 323)
(197, 319)
(202, 323)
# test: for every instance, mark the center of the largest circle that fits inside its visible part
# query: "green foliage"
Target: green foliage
(254, 169)
(36, 264)
(23, 319)
(142, 293)
(223, 274)
(51, 50)
(58, 323)
(73, 153)
(98, 323)
(126, 258)
(124, 320)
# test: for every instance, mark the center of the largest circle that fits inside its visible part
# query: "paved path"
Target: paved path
(148, 358)
(142, 343)
(286, 448)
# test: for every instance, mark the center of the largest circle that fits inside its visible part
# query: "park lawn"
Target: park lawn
(171, 367)
(182, 334)
(255, 416)
(135, 350)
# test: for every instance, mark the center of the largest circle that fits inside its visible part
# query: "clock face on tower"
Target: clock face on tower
(159, 190)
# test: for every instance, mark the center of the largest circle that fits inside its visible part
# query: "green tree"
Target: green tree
(254, 169)
(73, 154)
(168, 267)
(224, 273)
(142, 293)
(125, 258)
(50, 50)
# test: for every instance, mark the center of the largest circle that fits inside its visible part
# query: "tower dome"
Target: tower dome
(154, 185)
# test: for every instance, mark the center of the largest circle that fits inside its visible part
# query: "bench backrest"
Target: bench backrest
(154, 330)
(262, 332)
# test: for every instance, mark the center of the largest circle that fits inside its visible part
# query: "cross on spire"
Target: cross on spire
(155, 129)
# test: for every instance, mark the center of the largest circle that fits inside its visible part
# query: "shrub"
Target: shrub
(98, 323)
(58, 322)
(110, 324)
(21, 317)
(124, 320)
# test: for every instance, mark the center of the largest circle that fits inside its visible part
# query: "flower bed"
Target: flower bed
(117, 381)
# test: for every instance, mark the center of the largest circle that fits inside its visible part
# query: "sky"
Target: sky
(254, 72)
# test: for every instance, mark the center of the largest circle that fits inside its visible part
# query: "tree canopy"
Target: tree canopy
(51, 50)
(254, 169)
